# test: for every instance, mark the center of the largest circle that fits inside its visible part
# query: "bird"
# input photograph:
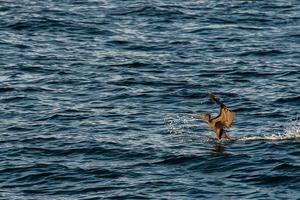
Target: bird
(223, 120)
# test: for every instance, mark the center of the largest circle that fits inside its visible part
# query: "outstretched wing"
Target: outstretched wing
(224, 118)
(214, 98)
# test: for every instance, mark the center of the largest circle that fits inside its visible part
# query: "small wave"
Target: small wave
(133, 64)
(36, 23)
(177, 159)
(6, 89)
(64, 116)
(153, 11)
(291, 131)
(14, 99)
(288, 99)
(261, 53)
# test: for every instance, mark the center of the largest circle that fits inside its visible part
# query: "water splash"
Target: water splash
(291, 131)
(185, 126)
(179, 124)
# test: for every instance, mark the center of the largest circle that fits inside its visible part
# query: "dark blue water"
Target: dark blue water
(97, 97)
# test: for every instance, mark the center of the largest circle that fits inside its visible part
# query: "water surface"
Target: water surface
(97, 97)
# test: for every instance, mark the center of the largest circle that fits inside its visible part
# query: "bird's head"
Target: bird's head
(205, 116)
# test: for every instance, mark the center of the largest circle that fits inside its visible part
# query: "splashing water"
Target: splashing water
(179, 125)
(185, 126)
(291, 131)
(186, 129)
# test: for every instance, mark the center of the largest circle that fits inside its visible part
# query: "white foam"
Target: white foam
(290, 132)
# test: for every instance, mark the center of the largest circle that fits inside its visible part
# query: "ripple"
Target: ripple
(288, 99)
(262, 53)
(287, 167)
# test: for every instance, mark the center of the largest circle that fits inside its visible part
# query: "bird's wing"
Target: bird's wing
(217, 121)
(224, 118)
(214, 98)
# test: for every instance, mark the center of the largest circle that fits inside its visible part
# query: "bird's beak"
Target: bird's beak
(197, 115)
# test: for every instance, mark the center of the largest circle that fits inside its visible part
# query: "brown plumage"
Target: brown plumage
(223, 120)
